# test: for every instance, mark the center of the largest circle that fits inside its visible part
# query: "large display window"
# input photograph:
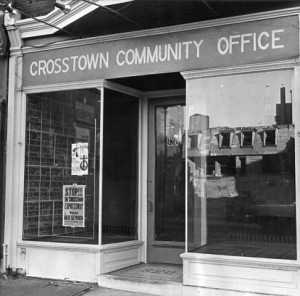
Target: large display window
(65, 174)
(241, 165)
(61, 180)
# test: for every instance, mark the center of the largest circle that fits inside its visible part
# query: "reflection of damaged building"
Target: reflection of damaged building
(249, 171)
(242, 150)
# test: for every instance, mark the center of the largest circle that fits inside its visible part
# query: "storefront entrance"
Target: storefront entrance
(166, 180)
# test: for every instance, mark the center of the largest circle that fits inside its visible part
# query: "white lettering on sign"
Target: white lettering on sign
(132, 56)
(158, 53)
(75, 63)
(252, 41)
(161, 53)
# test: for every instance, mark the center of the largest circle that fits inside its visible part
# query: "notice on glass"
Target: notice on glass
(80, 159)
(73, 205)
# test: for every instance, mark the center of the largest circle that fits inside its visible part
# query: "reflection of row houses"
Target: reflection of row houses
(235, 150)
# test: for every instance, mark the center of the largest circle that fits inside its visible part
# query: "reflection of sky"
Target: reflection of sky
(170, 125)
(175, 120)
(239, 100)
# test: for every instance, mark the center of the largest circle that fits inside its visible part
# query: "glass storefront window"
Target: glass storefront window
(241, 165)
(120, 167)
(61, 191)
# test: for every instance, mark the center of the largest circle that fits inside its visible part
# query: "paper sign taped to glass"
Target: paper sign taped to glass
(80, 159)
(74, 205)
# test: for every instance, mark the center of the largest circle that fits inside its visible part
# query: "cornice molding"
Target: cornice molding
(243, 69)
(64, 86)
(32, 28)
(167, 30)
(83, 85)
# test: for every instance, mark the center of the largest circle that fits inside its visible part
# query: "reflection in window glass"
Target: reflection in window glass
(169, 173)
(241, 192)
(62, 167)
(120, 156)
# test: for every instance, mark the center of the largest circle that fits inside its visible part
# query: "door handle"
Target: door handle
(150, 206)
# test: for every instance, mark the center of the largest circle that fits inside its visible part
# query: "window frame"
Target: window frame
(225, 136)
(243, 133)
(248, 69)
(267, 133)
(101, 85)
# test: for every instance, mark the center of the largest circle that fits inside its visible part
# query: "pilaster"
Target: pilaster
(14, 168)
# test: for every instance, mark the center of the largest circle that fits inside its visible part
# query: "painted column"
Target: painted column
(15, 144)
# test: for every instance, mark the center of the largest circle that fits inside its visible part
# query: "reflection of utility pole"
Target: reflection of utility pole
(160, 167)
(163, 200)
(284, 109)
(291, 111)
(283, 106)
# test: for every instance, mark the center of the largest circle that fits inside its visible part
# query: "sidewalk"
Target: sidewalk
(26, 286)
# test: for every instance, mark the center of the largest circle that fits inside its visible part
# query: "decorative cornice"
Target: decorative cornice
(13, 32)
(166, 30)
(243, 69)
(81, 85)
(32, 28)
(64, 86)
(100, 83)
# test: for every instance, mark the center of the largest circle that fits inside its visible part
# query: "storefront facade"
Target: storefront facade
(107, 168)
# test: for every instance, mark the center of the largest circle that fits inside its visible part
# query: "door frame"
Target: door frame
(168, 249)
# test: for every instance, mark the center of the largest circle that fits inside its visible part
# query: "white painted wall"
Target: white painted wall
(61, 264)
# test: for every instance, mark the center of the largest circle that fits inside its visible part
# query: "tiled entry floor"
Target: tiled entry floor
(150, 271)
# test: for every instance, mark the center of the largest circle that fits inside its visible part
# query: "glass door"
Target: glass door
(166, 180)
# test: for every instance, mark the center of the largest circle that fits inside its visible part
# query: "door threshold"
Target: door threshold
(151, 278)
(152, 271)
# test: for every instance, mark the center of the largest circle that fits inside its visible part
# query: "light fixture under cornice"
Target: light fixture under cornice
(12, 12)
(64, 7)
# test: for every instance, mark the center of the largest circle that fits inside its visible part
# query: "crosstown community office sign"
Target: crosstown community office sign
(237, 44)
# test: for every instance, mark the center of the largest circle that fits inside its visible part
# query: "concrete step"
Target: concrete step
(140, 285)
